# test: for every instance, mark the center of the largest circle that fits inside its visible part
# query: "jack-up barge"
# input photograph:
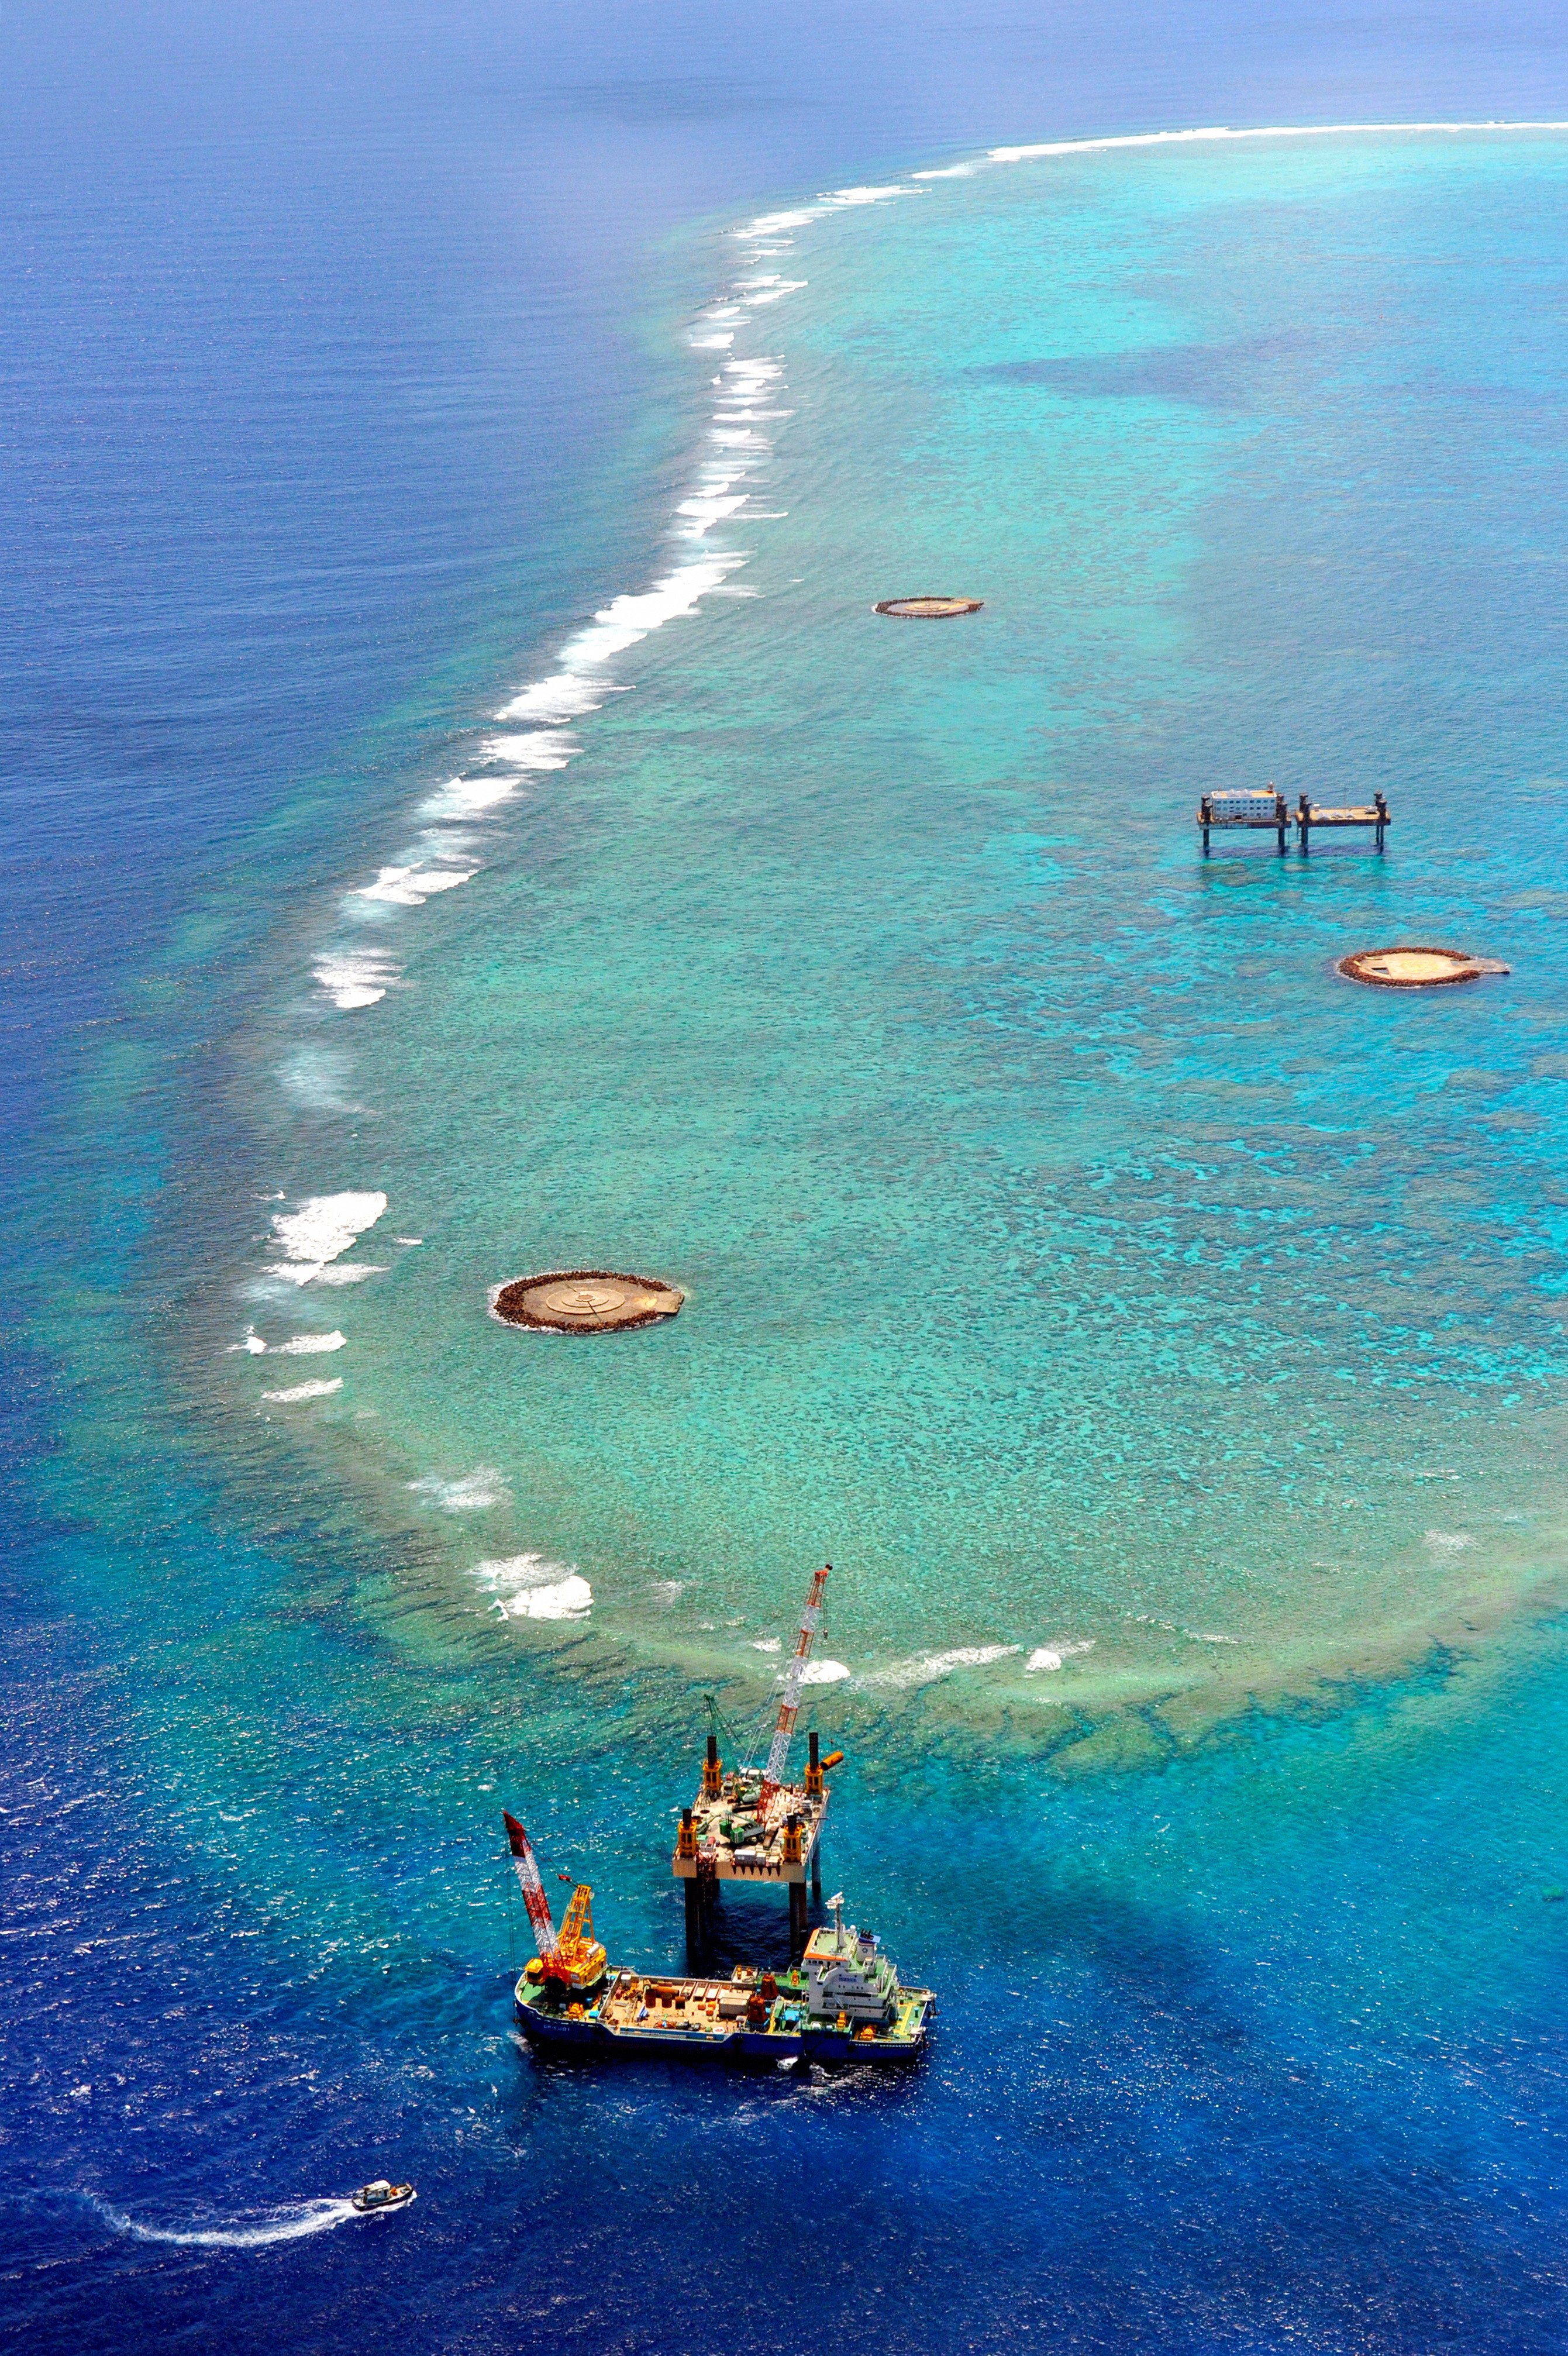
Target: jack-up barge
(750, 1825)
(843, 2002)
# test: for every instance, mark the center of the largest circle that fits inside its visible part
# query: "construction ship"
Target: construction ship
(843, 2001)
(749, 1824)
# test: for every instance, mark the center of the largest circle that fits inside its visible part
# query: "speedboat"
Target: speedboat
(378, 2195)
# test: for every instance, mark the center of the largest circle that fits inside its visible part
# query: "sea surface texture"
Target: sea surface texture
(1163, 1337)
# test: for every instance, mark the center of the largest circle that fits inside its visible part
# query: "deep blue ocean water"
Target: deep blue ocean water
(354, 361)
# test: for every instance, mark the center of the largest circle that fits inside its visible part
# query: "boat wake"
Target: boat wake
(253, 2229)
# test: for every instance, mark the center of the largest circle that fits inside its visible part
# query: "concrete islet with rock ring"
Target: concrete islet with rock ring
(1416, 967)
(585, 1301)
(926, 609)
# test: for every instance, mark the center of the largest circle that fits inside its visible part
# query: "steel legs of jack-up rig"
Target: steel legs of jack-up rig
(701, 1893)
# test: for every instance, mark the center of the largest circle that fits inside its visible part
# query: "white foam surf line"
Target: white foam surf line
(1226, 130)
(527, 736)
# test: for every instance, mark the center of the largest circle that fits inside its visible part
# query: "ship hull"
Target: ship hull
(734, 2046)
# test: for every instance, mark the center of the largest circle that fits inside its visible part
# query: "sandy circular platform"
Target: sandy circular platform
(585, 1301)
(1416, 969)
(927, 609)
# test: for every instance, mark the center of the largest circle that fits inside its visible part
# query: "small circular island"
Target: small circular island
(927, 609)
(1416, 967)
(584, 1300)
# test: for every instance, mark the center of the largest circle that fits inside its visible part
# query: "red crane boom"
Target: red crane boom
(532, 1888)
(789, 1707)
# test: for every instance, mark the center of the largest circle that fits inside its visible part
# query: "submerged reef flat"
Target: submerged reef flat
(1085, 1265)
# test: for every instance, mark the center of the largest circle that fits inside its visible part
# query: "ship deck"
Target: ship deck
(762, 1858)
(694, 2015)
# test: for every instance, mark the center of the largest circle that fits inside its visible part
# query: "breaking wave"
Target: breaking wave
(929, 1668)
(565, 1596)
(470, 1492)
(323, 1228)
(1048, 1657)
(354, 978)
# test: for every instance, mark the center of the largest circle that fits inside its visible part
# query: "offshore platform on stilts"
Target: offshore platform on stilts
(746, 1823)
(840, 1999)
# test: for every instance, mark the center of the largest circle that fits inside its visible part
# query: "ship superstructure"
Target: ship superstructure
(847, 1978)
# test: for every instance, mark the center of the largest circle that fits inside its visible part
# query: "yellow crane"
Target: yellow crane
(573, 1959)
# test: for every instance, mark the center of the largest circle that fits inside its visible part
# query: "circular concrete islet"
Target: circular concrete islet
(585, 1301)
(927, 609)
(1417, 967)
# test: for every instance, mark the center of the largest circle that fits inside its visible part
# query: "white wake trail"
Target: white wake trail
(253, 2230)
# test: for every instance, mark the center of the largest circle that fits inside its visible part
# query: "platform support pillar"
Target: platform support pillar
(694, 1927)
(796, 1919)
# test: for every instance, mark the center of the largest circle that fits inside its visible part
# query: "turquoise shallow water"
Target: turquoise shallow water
(1071, 1256)
(1071, 1253)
